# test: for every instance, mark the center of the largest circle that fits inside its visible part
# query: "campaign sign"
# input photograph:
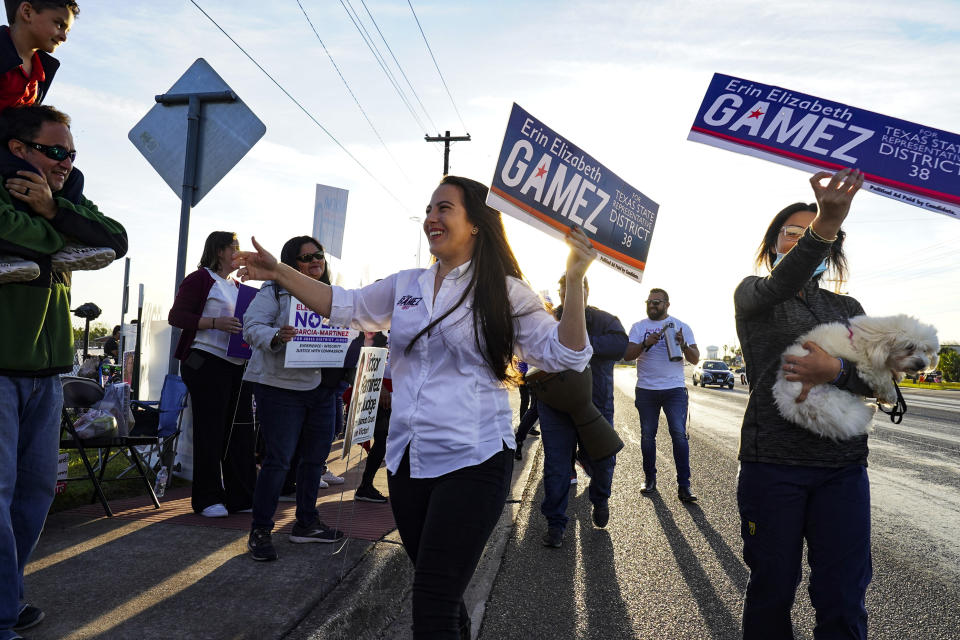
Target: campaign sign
(912, 163)
(237, 347)
(362, 413)
(550, 183)
(315, 344)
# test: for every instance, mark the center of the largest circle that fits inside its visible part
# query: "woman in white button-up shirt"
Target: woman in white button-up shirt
(454, 329)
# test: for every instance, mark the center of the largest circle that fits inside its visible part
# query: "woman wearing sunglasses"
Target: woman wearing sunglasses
(794, 485)
(454, 329)
(203, 309)
(296, 407)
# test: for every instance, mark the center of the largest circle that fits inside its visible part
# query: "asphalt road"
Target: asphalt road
(665, 570)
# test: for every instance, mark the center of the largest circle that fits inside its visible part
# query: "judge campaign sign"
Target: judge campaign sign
(315, 344)
(362, 414)
(909, 162)
(545, 180)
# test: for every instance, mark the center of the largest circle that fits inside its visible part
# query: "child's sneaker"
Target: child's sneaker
(77, 258)
(14, 269)
(317, 532)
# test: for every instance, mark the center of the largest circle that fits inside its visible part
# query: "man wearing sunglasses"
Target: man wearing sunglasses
(36, 339)
(36, 165)
(661, 385)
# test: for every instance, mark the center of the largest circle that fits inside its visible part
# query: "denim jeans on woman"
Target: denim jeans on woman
(287, 417)
(29, 437)
(674, 404)
(444, 523)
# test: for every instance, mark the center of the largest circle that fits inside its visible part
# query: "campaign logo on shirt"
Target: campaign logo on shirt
(408, 302)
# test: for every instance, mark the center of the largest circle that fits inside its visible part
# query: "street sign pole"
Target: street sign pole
(194, 102)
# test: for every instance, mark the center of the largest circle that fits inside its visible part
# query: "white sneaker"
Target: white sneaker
(76, 258)
(215, 511)
(14, 269)
(331, 478)
(323, 484)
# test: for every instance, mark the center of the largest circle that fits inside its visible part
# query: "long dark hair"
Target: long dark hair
(216, 242)
(291, 249)
(767, 251)
(491, 263)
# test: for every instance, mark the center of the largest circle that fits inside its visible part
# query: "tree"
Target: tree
(950, 364)
(97, 330)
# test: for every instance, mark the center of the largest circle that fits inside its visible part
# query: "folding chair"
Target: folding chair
(83, 393)
(161, 419)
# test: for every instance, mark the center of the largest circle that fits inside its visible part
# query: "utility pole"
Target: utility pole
(446, 140)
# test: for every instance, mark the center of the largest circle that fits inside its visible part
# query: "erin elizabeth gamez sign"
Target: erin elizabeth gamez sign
(912, 163)
(545, 180)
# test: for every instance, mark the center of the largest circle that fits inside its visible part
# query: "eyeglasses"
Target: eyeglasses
(654, 301)
(55, 152)
(792, 231)
(310, 257)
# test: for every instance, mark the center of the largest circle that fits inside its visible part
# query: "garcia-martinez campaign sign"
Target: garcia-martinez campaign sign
(912, 163)
(550, 183)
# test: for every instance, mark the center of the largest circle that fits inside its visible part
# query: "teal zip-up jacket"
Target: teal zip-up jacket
(36, 336)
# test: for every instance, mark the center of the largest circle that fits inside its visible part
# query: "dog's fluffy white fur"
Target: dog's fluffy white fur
(883, 349)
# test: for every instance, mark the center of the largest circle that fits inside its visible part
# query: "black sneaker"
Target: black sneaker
(317, 532)
(30, 616)
(553, 537)
(261, 545)
(369, 494)
(601, 515)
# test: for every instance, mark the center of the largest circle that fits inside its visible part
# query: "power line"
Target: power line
(432, 57)
(352, 95)
(399, 66)
(368, 40)
(296, 102)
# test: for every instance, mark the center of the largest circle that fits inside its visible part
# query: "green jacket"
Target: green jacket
(36, 336)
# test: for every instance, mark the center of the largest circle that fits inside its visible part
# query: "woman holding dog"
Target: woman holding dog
(794, 485)
(454, 329)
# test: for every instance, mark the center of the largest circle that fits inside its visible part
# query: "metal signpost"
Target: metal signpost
(198, 131)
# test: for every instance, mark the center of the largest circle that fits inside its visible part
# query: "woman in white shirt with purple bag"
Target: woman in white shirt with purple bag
(454, 329)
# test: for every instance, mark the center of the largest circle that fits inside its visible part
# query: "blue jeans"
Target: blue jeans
(674, 404)
(780, 505)
(288, 417)
(29, 440)
(559, 439)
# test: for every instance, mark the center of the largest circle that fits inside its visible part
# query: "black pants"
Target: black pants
(223, 433)
(524, 399)
(444, 523)
(378, 448)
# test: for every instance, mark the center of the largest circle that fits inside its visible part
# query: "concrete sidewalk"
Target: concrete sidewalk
(156, 574)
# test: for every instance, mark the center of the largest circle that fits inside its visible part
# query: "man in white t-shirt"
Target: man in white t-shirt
(660, 385)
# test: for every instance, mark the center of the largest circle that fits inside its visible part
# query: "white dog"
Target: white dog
(882, 348)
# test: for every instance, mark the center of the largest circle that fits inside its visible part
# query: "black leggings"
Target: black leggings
(378, 448)
(444, 523)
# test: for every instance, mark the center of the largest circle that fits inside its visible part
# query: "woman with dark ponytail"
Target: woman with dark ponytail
(454, 329)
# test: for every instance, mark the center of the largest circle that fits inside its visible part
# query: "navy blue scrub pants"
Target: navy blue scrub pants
(780, 506)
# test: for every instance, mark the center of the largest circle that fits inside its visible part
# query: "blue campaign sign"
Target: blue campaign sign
(912, 163)
(545, 180)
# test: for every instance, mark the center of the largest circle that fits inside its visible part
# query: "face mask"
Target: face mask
(820, 267)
